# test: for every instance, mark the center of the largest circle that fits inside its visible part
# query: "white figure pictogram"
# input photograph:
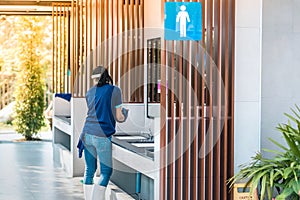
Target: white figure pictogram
(182, 18)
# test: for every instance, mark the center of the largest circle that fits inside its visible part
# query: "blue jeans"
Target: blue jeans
(100, 147)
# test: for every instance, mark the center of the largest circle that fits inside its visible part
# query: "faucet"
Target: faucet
(148, 134)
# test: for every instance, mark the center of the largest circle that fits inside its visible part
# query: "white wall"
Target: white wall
(153, 29)
(247, 80)
(280, 65)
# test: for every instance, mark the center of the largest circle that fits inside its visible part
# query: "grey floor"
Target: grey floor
(27, 172)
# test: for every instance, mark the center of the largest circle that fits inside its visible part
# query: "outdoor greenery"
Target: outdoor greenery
(27, 54)
(29, 92)
(11, 27)
(279, 175)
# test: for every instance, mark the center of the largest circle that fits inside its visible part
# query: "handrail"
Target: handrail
(6, 89)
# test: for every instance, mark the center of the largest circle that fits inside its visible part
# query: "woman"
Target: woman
(104, 102)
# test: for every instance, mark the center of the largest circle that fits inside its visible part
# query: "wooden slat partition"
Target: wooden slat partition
(60, 56)
(197, 109)
(108, 33)
(88, 33)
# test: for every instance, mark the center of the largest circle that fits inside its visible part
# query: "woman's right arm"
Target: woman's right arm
(119, 115)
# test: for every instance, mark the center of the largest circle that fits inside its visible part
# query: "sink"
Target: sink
(135, 143)
(144, 145)
(130, 137)
(134, 139)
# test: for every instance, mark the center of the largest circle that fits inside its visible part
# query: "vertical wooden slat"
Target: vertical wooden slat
(128, 53)
(217, 104)
(72, 46)
(86, 42)
(194, 156)
(134, 50)
(138, 50)
(209, 137)
(226, 86)
(77, 70)
(188, 118)
(120, 41)
(80, 58)
(64, 49)
(77, 29)
(83, 44)
(99, 33)
(107, 31)
(141, 44)
(201, 166)
(231, 30)
(125, 47)
(90, 39)
(180, 135)
(60, 77)
(62, 71)
(110, 38)
(53, 48)
(171, 147)
(75, 86)
(113, 39)
(114, 25)
(87, 65)
(68, 50)
(56, 57)
(163, 128)
(130, 47)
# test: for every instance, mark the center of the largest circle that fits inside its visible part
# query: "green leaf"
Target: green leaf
(271, 178)
(287, 173)
(291, 117)
(261, 170)
(285, 193)
(274, 152)
(263, 187)
(292, 145)
(278, 144)
(297, 115)
(296, 187)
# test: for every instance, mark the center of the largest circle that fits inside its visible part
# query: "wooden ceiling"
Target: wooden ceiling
(27, 7)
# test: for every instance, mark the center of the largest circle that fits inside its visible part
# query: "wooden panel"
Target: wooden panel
(98, 32)
(60, 25)
(200, 115)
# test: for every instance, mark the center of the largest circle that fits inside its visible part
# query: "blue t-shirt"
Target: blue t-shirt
(102, 103)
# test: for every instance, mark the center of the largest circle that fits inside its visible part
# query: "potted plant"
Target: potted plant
(279, 176)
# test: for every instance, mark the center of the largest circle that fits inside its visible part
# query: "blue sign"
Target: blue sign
(183, 21)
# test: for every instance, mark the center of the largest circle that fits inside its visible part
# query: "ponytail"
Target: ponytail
(105, 79)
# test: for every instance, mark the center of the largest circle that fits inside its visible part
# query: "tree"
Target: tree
(30, 85)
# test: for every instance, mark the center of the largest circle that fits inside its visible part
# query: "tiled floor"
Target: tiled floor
(27, 172)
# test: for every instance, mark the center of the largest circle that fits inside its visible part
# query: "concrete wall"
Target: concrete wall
(280, 65)
(247, 80)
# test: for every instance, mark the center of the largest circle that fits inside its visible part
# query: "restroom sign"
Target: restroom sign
(183, 21)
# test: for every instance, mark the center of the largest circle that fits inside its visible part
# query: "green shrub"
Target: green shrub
(280, 174)
(30, 90)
